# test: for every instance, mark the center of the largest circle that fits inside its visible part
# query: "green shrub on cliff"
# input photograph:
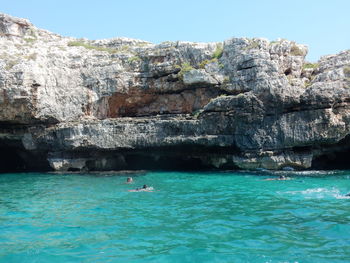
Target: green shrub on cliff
(88, 46)
(29, 40)
(196, 113)
(185, 67)
(253, 44)
(309, 82)
(134, 59)
(227, 79)
(296, 51)
(32, 56)
(218, 51)
(10, 64)
(205, 62)
(346, 71)
(310, 65)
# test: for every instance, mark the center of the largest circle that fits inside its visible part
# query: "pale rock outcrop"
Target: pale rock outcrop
(79, 104)
(198, 76)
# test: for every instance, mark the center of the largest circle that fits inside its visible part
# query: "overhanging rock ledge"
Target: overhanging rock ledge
(111, 104)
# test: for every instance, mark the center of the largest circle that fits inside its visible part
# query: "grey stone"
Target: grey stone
(90, 105)
(198, 76)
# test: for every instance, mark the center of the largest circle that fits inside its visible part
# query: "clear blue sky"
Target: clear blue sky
(323, 25)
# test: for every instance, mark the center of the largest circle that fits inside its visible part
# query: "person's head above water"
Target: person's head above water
(282, 177)
(129, 180)
(144, 186)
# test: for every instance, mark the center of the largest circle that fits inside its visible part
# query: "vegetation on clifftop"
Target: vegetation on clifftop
(218, 51)
(296, 51)
(310, 65)
(88, 46)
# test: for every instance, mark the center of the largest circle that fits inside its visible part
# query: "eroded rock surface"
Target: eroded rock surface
(78, 104)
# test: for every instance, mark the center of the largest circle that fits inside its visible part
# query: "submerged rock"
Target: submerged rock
(112, 104)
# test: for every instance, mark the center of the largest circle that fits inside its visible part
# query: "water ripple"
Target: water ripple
(191, 217)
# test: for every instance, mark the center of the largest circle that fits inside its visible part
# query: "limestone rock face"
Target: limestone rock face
(79, 104)
(13, 26)
(198, 76)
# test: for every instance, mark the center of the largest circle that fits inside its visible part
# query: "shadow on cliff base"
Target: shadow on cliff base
(10, 160)
(335, 157)
(16, 160)
(339, 160)
(140, 162)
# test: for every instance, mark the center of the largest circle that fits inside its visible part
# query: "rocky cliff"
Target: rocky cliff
(78, 104)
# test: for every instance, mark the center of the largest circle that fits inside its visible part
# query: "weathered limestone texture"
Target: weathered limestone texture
(79, 104)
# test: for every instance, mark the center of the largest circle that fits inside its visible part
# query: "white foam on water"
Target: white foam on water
(342, 197)
(311, 173)
(318, 192)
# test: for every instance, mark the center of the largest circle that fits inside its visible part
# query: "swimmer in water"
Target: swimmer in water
(144, 188)
(129, 180)
(347, 195)
(280, 178)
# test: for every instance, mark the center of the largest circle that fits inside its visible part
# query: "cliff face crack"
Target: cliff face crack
(157, 74)
(305, 108)
(245, 68)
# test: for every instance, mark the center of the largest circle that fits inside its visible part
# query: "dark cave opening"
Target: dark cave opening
(334, 160)
(288, 71)
(179, 158)
(164, 162)
(11, 160)
(14, 158)
(334, 157)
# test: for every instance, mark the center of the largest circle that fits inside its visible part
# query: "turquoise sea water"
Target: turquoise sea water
(190, 217)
